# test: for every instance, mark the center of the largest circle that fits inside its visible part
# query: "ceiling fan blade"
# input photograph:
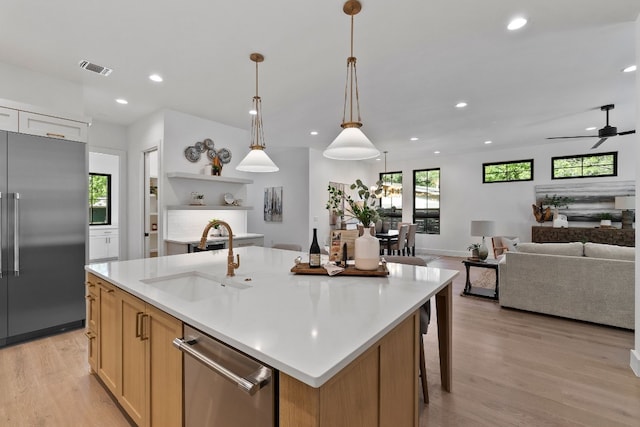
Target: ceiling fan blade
(597, 144)
(566, 137)
(627, 132)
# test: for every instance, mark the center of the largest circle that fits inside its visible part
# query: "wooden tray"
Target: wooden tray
(303, 268)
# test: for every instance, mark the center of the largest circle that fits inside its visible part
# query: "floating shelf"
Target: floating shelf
(212, 178)
(209, 208)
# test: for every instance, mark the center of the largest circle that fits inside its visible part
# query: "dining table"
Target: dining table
(387, 239)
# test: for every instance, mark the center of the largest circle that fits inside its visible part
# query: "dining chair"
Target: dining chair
(411, 239)
(425, 319)
(287, 246)
(398, 247)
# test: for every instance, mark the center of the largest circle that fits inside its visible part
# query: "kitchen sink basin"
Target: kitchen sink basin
(194, 285)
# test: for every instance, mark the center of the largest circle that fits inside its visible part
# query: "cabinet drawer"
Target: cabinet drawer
(53, 127)
(8, 119)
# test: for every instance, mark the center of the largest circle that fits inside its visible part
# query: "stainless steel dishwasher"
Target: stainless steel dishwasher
(224, 387)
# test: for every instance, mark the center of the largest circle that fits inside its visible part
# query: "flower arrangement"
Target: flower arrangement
(363, 209)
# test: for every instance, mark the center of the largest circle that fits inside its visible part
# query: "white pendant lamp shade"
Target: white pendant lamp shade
(257, 161)
(351, 144)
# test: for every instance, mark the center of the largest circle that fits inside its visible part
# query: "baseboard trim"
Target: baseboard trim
(635, 362)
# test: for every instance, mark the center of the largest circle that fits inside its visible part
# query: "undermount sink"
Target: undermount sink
(194, 285)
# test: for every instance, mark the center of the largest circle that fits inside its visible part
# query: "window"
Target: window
(517, 170)
(391, 200)
(426, 200)
(585, 166)
(99, 199)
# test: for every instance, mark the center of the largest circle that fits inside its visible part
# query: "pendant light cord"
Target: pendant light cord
(351, 85)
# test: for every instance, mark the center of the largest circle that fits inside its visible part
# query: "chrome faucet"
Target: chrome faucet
(231, 266)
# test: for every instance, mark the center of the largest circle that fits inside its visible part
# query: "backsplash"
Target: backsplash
(191, 223)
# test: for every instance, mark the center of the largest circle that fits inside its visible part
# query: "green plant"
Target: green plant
(605, 216)
(215, 219)
(473, 247)
(363, 210)
(557, 201)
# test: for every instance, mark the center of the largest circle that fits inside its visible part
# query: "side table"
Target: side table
(477, 291)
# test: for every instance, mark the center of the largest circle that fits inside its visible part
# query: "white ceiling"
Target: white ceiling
(416, 60)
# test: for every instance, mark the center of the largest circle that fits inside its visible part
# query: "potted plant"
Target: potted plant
(215, 230)
(475, 250)
(605, 220)
(334, 205)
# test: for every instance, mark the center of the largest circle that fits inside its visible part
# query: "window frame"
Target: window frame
(510, 162)
(396, 215)
(583, 156)
(108, 199)
(439, 217)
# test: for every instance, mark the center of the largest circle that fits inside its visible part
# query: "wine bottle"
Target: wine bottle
(314, 251)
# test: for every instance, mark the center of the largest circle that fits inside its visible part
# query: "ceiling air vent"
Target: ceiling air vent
(95, 68)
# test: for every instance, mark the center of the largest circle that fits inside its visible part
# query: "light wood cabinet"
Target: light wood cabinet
(370, 391)
(135, 357)
(93, 315)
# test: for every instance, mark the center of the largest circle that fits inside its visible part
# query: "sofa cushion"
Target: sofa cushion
(567, 249)
(599, 250)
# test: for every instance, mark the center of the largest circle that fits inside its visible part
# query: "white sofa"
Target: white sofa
(591, 282)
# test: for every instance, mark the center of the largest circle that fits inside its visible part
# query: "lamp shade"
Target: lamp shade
(625, 202)
(351, 144)
(257, 161)
(482, 228)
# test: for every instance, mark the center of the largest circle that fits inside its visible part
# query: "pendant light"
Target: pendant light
(351, 143)
(257, 160)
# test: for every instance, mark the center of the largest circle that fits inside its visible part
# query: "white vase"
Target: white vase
(367, 252)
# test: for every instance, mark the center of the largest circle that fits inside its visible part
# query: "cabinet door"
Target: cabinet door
(113, 246)
(8, 119)
(133, 393)
(92, 325)
(165, 369)
(98, 248)
(108, 336)
(52, 127)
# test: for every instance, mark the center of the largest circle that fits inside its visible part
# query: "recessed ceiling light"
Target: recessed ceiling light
(314, 132)
(436, 152)
(461, 104)
(378, 159)
(413, 138)
(591, 128)
(488, 142)
(630, 69)
(155, 78)
(517, 23)
(122, 101)
(253, 112)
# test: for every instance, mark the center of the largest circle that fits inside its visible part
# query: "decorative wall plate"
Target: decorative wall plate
(192, 154)
(211, 153)
(224, 155)
(208, 143)
(228, 198)
(200, 146)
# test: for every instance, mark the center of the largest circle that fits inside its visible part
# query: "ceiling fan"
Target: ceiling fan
(603, 133)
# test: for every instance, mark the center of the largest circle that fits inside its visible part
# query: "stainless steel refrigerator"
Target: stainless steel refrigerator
(43, 223)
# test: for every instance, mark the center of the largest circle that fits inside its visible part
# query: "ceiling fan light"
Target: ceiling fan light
(351, 144)
(257, 161)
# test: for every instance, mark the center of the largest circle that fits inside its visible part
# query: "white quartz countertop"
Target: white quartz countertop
(307, 326)
(211, 239)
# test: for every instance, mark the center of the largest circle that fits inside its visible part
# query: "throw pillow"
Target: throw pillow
(511, 243)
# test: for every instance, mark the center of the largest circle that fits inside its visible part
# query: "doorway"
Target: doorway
(150, 202)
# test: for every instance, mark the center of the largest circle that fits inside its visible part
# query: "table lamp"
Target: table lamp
(626, 203)
(482, 229)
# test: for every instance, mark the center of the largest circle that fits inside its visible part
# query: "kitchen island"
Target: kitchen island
(345, 349)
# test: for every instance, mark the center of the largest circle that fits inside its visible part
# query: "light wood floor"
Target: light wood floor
(509, 369)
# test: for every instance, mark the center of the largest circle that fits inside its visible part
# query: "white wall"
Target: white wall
(293, 177)
(635, 353)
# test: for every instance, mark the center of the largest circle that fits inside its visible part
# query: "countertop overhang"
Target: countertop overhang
(307, 326)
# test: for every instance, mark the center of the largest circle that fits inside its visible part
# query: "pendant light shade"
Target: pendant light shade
(257, 159)
(351, 143)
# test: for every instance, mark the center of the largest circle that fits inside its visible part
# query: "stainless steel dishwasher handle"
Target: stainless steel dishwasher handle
(250, 384)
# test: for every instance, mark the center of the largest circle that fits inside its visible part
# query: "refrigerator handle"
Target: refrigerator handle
(16, 235)
(1, 235)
